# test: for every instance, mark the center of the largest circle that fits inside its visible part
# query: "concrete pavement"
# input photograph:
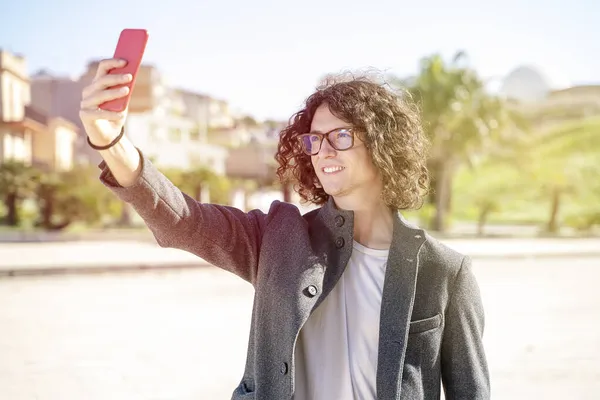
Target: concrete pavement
(183, 334)
(100, 256)
(92, 256)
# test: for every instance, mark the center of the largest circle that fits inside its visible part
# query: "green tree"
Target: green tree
(248, 121)
(16, 183)
(194, 181)
(73, 196)
(463, 121)
(563, 163)
(486, 189)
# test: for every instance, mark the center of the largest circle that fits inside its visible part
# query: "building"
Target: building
(254, 161)
(211, 115)
(167, 125)
(525, 85)
(56, 96)
(16, 128)
(55, 149)
(60, 97)
(209, 112)
(27, 134)
(171, 139)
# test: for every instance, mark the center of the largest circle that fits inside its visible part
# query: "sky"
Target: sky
(265, 57)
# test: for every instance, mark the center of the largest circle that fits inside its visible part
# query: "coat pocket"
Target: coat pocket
(424, 325)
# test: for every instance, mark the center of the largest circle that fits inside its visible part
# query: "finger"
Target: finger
(95, 99)
(97, 114)
(106, 81)
(106, 65)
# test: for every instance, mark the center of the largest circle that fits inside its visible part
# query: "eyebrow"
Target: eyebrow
(334, 129)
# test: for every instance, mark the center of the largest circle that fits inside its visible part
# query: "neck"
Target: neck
(373, 221)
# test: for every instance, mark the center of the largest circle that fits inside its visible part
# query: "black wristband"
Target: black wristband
(108, 146)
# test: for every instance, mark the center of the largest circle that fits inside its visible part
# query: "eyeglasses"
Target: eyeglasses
(340, 139)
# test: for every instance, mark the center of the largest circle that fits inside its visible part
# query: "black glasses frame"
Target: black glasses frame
(326, 135)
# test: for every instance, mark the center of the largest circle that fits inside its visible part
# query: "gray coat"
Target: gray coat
(432, 316)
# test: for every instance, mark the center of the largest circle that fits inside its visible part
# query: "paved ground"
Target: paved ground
(44, 257)
(182, 334)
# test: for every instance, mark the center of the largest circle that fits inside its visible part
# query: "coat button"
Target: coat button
(284, 368)
(339, 242)
(339, 220)
(312, 290)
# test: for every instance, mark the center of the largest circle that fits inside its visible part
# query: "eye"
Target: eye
(343, 133)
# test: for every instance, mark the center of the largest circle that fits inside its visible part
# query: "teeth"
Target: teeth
(329, 170)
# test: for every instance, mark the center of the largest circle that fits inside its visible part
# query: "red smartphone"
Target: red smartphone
(131, 47)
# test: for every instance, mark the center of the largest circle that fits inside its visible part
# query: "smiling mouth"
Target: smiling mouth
(332, 170)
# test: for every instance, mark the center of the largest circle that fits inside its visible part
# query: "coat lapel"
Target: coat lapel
(396, 306)
(331, 238)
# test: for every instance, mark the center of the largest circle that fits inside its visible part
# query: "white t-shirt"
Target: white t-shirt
(336, 351)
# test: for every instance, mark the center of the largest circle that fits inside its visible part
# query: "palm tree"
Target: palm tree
(463, 122)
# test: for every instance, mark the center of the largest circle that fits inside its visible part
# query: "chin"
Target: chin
(333, 191)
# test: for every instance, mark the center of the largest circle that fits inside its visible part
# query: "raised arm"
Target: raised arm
(223, 236)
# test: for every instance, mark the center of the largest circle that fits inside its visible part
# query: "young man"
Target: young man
(351, 301)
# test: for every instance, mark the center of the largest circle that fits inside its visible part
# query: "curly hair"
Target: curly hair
(387, 122)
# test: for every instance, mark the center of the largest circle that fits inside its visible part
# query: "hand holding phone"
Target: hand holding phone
(130, 47)
(105, 100)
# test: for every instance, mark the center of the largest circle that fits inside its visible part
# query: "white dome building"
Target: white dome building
(525, 84)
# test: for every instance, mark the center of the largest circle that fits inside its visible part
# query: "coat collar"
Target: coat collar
(406, 235)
